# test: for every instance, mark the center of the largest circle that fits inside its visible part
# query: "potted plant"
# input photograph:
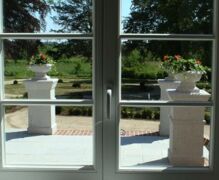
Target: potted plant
(41, 64)
(187, 71)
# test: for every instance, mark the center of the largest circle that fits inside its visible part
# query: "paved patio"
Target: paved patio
(77, 150)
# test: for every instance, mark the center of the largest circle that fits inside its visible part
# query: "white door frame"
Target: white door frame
(107, 48)
(59, 173)
(111, 80)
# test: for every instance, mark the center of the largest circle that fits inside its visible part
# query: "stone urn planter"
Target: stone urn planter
(188, 81)
(41, 71)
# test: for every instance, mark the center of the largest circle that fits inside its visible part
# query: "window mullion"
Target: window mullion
(45, 36)
(175, 37)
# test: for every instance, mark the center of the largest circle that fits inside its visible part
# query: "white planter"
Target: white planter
(188, 81)
(41, 71)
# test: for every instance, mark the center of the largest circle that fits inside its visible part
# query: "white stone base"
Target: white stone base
(165, 84)
(41, 119)
(187, 129)
(188, 160)
(42, 130)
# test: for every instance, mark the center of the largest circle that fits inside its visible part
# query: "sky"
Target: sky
(125, 10)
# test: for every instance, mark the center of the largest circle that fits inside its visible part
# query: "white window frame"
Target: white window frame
(112, 80)
(107, 54)
(56, 172)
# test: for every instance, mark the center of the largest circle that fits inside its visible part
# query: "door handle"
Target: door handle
(109, 103)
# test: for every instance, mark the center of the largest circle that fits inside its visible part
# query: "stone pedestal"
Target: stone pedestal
(164, 127)
(186, 130)
(41, 119)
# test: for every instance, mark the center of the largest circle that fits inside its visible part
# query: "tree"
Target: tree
(74, 16)
(23, 16)
(175, 16)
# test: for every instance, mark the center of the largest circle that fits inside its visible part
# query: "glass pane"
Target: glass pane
(163, 137)
(179, 16)
(149, 68)
(61, 16)
(70, 76)
(48, 135)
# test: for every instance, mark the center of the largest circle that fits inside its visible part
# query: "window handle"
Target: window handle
(109, 103)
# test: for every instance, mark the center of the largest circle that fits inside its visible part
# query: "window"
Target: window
(97, 115)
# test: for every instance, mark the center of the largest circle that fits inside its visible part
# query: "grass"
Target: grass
(65, 68)
(64, 90)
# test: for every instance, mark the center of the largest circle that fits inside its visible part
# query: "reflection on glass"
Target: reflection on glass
(156, 16)
(71, 16)
(144, 142)
(142, 73)
(70, 75)
(48, 135)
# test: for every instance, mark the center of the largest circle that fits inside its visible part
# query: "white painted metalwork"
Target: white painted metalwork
(161, 103)
(66, 172)
(166, 37)
(45, 36)
(74, 102)
(107, 52)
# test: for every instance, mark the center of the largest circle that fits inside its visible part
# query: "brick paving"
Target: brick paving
(123, 133)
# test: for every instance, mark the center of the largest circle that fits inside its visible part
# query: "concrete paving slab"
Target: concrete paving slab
(135, 151)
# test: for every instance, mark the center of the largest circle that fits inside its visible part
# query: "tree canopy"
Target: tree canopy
(170, 16)
(25, 15)
(74, 15)
(175, 16)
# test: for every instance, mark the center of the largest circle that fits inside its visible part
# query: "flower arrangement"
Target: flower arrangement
(40, 59)
(177, 64)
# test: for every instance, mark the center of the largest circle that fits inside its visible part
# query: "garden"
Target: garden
(140, 72)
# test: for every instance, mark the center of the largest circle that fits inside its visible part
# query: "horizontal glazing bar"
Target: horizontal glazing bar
(164, 103)
(44, 36)
(174, 37)
(77, 102)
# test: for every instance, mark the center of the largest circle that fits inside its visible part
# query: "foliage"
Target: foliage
(73, 15)
(140, 113)
(17, 69)
(23, 16)
(73, 67)
(175, 16)
(20, 15)
(134, 65)
(177, 64)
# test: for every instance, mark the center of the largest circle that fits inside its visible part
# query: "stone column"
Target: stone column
(186, 130)
(165, 84)
(41, 119)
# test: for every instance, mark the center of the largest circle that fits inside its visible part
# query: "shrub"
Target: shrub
(137, 115)
(75, 111)
(60, 81)
(58, 109)
(156, 115)
(147, 114)
(89, 111)
(124, 112)
(76, 85)
(25, 95)
(15, 82)
(207, 117)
